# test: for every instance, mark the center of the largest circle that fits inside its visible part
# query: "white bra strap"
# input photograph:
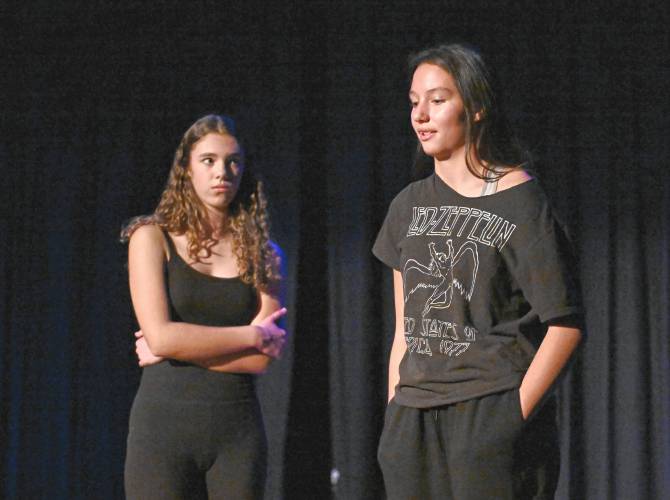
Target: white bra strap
(490, 186)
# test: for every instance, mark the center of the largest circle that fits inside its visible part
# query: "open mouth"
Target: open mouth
(425, 135)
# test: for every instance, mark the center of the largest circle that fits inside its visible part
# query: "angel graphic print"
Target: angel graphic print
(481, 276)
(447, 275)
(440, 278)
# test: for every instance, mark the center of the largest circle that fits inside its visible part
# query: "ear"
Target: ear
(479, 115)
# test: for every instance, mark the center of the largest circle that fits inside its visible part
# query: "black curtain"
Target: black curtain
(95, 96)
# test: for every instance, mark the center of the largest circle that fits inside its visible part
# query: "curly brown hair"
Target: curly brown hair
(180, 211)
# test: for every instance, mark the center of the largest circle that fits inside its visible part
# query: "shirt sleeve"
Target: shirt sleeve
(546, 272)
(386, 247)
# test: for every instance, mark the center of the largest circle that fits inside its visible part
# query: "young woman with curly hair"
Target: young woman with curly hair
(204, 280)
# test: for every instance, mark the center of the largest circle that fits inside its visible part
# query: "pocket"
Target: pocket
(517, 411)
(517, 393)
(391, 408)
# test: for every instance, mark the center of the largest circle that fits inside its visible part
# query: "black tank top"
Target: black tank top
(200, 299)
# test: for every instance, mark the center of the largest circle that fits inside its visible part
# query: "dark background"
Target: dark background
(95, 96)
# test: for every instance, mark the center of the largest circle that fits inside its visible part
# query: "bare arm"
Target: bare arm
(551, 358)
(171, 339)
(399, 345)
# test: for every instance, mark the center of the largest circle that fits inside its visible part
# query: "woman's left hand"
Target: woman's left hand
(144, 354)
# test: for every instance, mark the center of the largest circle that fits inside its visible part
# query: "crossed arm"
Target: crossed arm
(244, 348)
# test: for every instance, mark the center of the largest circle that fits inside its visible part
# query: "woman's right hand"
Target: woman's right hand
(271, 338)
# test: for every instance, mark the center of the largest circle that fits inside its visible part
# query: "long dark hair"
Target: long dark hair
(489, 139)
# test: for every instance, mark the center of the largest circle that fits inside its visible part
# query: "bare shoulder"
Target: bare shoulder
(147, 238)
(513, 178)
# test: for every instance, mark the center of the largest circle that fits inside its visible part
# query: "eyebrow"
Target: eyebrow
(206, 154)
(433, 90)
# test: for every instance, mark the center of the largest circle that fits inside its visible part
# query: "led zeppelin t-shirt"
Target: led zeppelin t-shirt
(482, 278)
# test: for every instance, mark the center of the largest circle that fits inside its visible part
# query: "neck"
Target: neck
(455, 172)
(218, 223)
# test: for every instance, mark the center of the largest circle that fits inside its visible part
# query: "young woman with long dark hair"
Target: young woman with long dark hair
(487, 305)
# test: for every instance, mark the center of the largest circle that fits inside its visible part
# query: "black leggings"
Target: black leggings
(194, 449)
(477, 449)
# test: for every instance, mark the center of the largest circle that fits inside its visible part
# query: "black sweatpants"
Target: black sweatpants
(475, 450)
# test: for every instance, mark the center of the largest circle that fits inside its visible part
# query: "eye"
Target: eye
(437, 101)
(209, 161)
(413, 104)
(233, 161)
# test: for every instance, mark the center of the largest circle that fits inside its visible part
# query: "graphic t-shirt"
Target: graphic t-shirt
(481, 279)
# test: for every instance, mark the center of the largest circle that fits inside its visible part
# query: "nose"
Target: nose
(220, 169)
(420, 113)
